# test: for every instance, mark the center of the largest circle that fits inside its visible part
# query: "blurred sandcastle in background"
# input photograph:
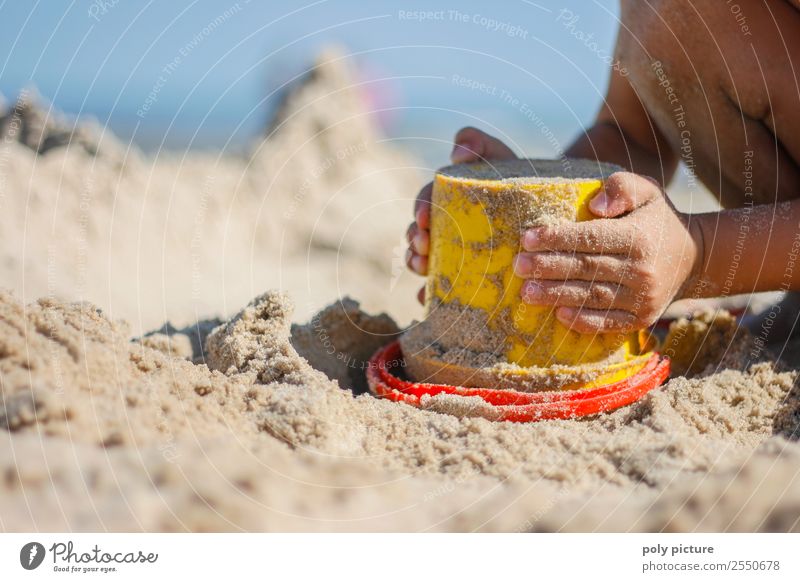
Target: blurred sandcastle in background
(316, 207)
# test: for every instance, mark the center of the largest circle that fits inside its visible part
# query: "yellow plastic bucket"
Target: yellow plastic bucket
(479, 212)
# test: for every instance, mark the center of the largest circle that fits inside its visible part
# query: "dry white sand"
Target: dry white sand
(263, 425)
(104, 433)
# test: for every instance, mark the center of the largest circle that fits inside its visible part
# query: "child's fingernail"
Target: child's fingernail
(419, 264)
(420, 243)
(531, 291)
(566, 312)
(600, 202)
(463, 152)
(530, 239)
(522, 266)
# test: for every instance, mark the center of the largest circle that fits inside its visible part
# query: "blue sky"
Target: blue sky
(104, 57)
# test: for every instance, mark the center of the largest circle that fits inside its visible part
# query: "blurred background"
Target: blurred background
(210, 73)
(170, 161)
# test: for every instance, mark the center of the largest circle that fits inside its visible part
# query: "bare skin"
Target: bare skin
(702, 89)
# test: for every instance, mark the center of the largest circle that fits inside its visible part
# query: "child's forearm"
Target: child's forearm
(606, 142)
(746, 250)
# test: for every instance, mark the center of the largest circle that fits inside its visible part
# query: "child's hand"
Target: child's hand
(613, 274)
(471, 145)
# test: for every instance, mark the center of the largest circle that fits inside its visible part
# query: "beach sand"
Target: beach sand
(238, 416)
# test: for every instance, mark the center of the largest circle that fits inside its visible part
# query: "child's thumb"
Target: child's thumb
(472, 145)
(623, 192)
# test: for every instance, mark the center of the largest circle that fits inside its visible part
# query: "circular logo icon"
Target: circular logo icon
(31, 555)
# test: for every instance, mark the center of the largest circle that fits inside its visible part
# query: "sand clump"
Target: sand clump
(255, 343)
(340, 340)
(707, 340)
(455, 334)
(258, 439)
(69, 372)
(453, 345)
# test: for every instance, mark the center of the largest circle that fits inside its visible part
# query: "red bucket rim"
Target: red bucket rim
(515, 406)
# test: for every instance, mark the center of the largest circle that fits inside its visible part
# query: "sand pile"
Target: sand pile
(102, 432)
(313, 208)
(33, 124)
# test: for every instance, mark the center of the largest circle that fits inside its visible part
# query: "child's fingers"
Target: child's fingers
(472, 145)
(623, 192)
(418, 239)
(417, 263)
(561, 266)
(597, 320)
(422, 206)
(597, 295)
(602, 236)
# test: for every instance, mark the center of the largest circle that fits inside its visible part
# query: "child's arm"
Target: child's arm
(750, 249)
(623, 134)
